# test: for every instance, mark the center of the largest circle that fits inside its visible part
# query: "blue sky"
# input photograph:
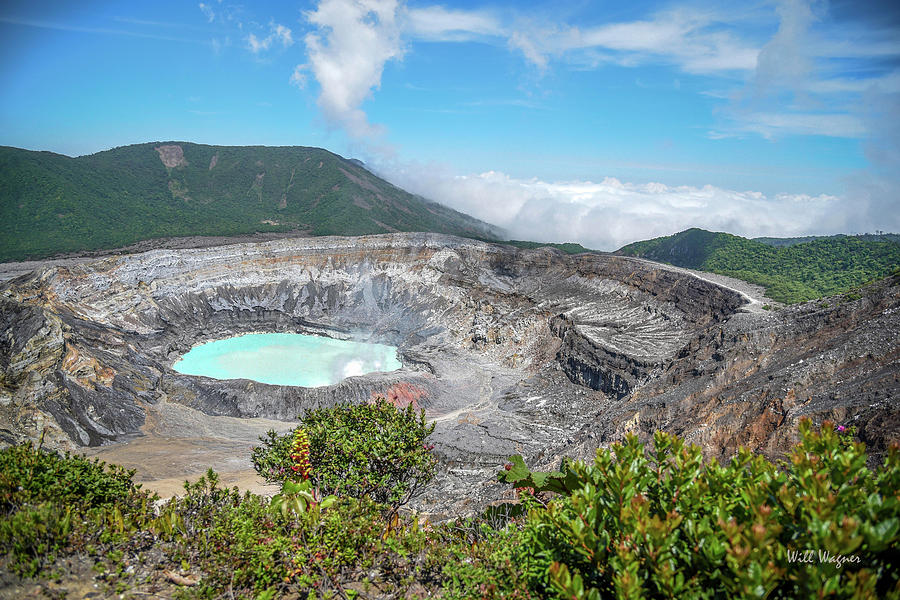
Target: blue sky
(598, 122)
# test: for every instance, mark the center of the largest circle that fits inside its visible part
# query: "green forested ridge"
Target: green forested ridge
(791, 273)
(567, 247)
(879, 236)
(51, 203)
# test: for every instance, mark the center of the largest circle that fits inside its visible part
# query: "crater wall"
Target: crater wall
(508, 350)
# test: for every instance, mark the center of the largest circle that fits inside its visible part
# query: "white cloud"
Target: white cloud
(257, 45)
(207, 11)
(283, 34)
(785, 61)
(695, 41)
(298, 77)
(436, 23)
(612, 213)
(809, 79)
(771, 125)
(277, 33)
(347, 54)
(530, 48)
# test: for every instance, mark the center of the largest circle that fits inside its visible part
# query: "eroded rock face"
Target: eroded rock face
(172, 156)
(509, 351)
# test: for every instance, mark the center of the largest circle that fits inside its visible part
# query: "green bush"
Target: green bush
(375, 450)
(32, 475)
(34, 535)
(48, 499)
(246, 548)
(662, 524)
(476, 559)
(272, 460)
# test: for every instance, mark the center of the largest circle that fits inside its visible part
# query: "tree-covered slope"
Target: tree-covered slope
(567, 247)
(792, 273)
(51, 203)
(865, 237)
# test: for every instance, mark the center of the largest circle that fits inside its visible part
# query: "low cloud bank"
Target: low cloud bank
(609, 214)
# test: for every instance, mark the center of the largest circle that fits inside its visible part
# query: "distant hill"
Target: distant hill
(864, 237)
(51, 204)
(567, 247)
(790, 273)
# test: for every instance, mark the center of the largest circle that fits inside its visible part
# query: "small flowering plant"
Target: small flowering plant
(297, 492)
(374, 450)
(300, 455)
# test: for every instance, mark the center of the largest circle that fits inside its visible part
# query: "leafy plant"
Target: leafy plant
(272, 459)
(29, 474)
(47, 498)
(375, 450)
(34, 535)
(661, 523)
(519, 476)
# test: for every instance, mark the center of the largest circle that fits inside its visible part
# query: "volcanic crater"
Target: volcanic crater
(509, 351)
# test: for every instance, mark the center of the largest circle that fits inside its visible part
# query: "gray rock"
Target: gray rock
(516, 351)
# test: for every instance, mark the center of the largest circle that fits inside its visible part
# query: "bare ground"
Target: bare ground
(179, 443)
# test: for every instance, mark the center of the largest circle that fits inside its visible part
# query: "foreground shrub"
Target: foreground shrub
(371, 450)
(480, 558)
(48, 501)
(662, 524)
(31, 475)
(246, 548)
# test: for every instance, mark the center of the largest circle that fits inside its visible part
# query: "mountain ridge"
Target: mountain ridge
(790, 273)
(52, 204)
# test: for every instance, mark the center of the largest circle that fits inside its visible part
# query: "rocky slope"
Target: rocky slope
(509, 351)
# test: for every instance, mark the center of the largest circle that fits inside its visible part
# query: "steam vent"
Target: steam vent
(508, 351)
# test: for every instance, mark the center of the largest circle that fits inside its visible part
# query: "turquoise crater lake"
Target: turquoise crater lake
(287, 359)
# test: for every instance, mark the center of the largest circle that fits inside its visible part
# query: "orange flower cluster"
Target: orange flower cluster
(300, 454)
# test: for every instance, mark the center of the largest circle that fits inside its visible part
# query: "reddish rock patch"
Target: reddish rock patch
(171, 155)
(402, 395)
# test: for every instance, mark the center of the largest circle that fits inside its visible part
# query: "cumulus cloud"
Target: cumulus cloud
(277, 34)
(347, 54)
(608, 214)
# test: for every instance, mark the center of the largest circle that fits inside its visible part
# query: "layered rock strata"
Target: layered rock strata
(509, 351)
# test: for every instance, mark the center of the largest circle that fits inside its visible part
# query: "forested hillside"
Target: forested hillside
(567, 247)
(863, 237)
(51, 203)
(790, 273)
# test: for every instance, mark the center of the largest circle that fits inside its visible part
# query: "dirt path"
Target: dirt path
(754, 294)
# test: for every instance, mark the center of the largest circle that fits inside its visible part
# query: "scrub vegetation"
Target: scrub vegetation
(638, 522)
(567, 247)
(790, 273)
(371, 450)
